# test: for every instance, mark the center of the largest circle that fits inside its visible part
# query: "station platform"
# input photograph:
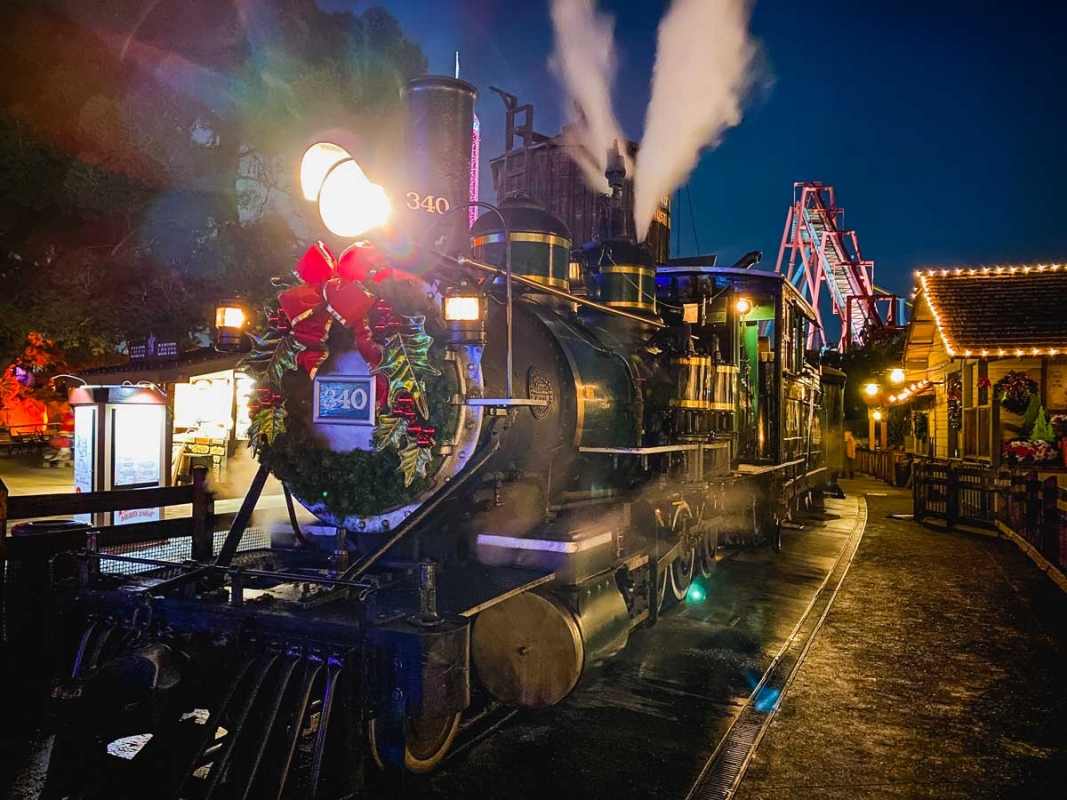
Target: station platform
(940, 672)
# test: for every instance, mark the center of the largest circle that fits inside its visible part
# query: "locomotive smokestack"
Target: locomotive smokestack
(613, 213)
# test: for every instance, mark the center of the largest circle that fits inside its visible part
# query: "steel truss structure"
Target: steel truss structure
(816, 249)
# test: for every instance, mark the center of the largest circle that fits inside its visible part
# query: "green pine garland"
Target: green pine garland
(359, 483)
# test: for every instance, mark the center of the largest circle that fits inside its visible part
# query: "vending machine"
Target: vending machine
(120, 442)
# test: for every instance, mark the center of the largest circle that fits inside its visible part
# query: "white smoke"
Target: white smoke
(585, 62)
(703, 68)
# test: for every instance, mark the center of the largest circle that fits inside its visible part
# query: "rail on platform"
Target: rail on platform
(1016, 498)
(28, 561)
(885, 465)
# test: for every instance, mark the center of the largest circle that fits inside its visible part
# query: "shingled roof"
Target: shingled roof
(999, 311)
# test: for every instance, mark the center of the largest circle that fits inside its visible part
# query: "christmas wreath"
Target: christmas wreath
(955, 403)
(1014, 391)
(357, 301)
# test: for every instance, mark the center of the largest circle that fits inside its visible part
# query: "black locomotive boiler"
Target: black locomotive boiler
(520, 453)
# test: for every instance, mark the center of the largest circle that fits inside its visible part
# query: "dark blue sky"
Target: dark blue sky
(941, 124)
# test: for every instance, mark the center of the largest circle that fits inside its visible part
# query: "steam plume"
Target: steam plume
(703, 60)
(585, 62)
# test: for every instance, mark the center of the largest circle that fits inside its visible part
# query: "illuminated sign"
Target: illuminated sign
(84, 455)
(137, 454)
(347, 400)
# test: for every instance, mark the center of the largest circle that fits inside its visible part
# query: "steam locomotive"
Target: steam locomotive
(520, 451)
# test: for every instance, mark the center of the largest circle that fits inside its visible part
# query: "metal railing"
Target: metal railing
(1016, 498)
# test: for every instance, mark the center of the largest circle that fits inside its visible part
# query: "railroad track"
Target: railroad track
(724, 770)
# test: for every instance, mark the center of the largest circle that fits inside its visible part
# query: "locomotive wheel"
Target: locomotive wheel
(681, 573)
(774, 532)
(426, 742)
(706, 555)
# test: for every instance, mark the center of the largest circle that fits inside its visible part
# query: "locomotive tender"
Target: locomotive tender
(587, 431)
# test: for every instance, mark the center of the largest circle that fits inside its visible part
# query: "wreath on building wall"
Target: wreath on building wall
(955, 403)
(1014, 391)
(921, 426)
(357, 301)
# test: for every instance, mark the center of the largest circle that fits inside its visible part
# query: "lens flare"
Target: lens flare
(696, 594)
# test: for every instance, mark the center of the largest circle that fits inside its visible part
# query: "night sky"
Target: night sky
(942, 130)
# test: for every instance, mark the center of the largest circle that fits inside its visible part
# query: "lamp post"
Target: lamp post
(874, 397)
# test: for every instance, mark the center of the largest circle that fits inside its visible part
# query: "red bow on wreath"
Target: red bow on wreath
(331, 290)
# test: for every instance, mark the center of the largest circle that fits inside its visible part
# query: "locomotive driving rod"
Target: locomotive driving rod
(463, 261)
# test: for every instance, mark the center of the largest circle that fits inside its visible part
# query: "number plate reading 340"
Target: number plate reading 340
(345, 400)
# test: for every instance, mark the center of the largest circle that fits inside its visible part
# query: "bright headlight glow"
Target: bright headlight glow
(349, 203)
(315, 164)
(462, 309)
(229, 317)
(743, 305)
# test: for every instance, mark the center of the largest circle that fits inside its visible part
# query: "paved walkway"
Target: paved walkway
(940, 672)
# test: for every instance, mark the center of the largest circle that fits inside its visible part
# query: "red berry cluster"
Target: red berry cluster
(404, 407)
(383, 322)
(279, 321)
(265, 398)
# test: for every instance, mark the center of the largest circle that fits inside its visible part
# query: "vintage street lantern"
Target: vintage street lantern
(232, 320)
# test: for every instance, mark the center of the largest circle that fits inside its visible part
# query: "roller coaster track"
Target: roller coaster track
(821, 251)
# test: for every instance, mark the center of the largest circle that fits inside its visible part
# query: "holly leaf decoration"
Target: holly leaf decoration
(267, 342)
(413, 462)
(284, 358)
(406, 362)
(266, 425)
(390, 432)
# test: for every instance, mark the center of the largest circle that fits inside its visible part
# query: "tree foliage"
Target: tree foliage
(148, 153)
(859, 363)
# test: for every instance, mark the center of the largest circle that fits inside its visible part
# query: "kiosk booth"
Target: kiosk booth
(120, 442)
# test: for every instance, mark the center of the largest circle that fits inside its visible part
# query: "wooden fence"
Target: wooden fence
(881, 464)
(1015, 498)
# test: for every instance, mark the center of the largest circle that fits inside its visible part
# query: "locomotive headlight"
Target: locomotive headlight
(316, 164)
(350, 204)
(463, 308)
(743, 305)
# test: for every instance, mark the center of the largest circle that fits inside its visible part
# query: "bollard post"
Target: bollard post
(1050, 520)
(952, 496)
(3, 516)
(1033, 509)
(203, 510)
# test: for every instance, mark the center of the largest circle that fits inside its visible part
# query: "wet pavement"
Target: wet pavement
(940, 672)
(644, 724)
